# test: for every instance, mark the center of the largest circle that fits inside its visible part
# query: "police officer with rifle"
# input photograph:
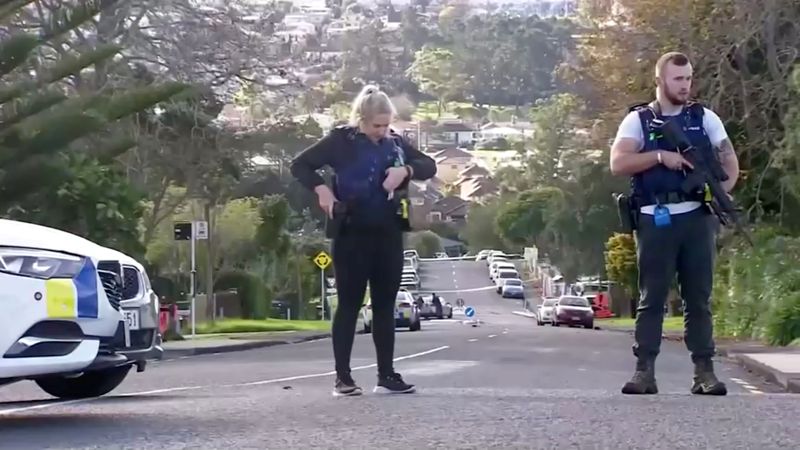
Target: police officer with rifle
(670, 148)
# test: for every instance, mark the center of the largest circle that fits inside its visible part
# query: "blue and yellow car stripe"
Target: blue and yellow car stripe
(74, 298)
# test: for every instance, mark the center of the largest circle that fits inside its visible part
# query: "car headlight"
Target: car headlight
(42, 264)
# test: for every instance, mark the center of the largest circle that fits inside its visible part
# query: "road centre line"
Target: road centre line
(6, 412)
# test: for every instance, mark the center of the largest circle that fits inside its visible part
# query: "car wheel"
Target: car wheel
(589, 325)
(90, 384)
(415, 326)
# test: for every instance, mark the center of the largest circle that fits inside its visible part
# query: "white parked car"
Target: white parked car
(544, 313)
(72, 318)
(504, 274)
(500, 265)
(406, 313)
(511, 288)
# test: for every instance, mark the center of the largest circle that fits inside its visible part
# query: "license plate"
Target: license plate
(399, 314)
(132, 319)
(576, 318)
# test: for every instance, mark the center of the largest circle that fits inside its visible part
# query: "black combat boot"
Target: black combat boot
(705, 382)
(644, 379)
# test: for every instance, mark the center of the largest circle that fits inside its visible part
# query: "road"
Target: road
(505, 384)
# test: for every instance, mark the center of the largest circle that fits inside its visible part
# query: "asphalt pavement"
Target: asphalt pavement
(504, 384)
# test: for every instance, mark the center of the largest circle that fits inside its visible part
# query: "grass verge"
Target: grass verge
(670, 323)
(251, 326)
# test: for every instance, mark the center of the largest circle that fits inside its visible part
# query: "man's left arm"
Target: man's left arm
(722, 143)
(729, 162)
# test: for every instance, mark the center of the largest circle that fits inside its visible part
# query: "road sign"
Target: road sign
(201, 230)
(322, 260)
(469, 312)
(182, 231)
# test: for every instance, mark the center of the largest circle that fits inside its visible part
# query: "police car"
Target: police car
(75, 317)
(406, 313)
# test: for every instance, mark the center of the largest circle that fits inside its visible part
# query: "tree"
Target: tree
(480, 231)
(508, 59)
(621, 263)
(529, 219)
(426, 243)
(435, 72)
(46, 118)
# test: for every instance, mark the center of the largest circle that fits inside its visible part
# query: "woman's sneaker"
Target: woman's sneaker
(393, 384)
(345, 386)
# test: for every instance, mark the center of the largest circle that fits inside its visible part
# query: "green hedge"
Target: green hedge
(254, 295)
(757, 290)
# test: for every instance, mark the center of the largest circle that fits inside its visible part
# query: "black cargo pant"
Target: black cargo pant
(687, 246)
(361, 256)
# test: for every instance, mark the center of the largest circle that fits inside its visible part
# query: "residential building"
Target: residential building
(477, 189)
(423, 196)
(447, 134)
(450, 163)
(449, 209)
(494, 159)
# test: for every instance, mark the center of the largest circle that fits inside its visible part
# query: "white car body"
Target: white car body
(495, 255)
(70, 321)
(544, 313)
(503, 274)
(482, 255)
(406, 313)
(511, 287)
(412, 258)
(498, 266)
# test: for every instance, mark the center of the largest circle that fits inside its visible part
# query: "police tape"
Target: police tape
(449, 258)
(478, 289)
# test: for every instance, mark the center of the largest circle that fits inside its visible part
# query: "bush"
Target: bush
(783, 326)
(757, 290)
(253, 294)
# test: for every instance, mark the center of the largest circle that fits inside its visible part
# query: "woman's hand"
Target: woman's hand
(326, 199)
(394, 178)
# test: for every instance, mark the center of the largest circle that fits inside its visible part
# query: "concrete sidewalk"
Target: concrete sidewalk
(779, 365)
(232, 342)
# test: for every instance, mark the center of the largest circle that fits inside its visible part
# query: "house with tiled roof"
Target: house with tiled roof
(449, 209)
(451, 162)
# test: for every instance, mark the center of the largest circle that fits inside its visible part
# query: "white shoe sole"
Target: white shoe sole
(383, 390)
(355, 393)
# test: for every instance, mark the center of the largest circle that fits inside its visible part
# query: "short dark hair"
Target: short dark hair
(677, 58)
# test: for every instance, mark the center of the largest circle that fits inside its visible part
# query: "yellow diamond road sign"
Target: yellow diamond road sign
(322, 260)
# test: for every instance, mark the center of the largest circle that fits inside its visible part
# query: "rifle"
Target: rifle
(707, 171)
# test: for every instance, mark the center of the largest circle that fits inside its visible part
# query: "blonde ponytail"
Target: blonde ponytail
(370, 102)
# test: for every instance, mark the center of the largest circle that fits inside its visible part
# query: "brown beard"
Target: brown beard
(673, 99)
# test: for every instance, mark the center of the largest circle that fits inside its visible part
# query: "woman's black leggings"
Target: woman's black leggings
(360, 257)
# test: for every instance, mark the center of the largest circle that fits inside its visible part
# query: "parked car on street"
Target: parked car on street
(428, 309)
(573, 310)
(544, 312)
(405, 312)
(511, 288)
(75, 316)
